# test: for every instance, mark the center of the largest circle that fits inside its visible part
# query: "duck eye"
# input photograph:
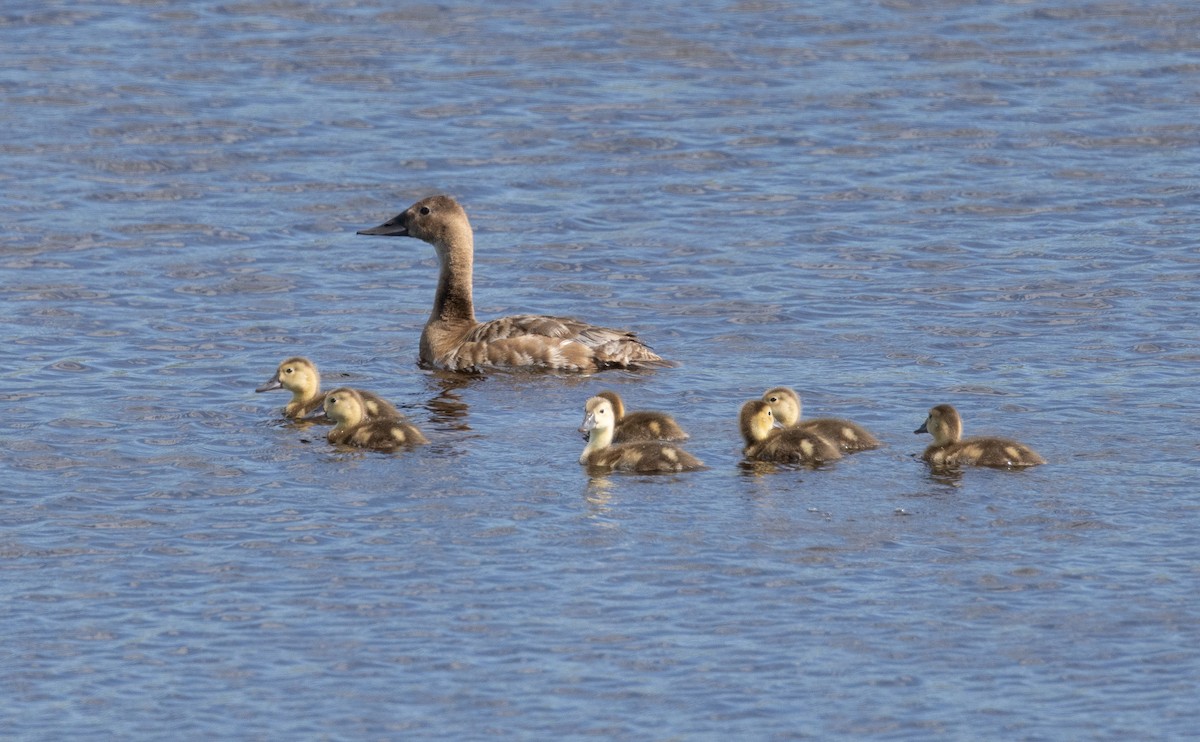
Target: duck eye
(774, 399)
(287, 370)
(424, 211)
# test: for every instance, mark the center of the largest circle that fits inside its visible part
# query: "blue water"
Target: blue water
(886, 205)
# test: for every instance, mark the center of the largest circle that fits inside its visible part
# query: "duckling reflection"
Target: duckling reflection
(949, 449)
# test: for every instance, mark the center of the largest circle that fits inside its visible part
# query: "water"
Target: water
(884, 204)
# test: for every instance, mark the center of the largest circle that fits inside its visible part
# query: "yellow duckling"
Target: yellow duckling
(346, 407)
(599, 421)
(949, 450)
(300, 377)
(847, 435)
(454, 340)
(766, 441)
(644, 425)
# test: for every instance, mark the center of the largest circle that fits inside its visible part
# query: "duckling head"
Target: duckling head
(598, 423)
(298, 375)
(436, 219)
(756, 421)
(618, 405)
(785, 405)
(597, 415)
(344, 406)
(943, 423)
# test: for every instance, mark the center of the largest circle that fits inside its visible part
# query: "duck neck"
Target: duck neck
(598, 440)
(453, 302)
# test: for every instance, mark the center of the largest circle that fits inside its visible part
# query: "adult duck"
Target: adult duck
(455, 341)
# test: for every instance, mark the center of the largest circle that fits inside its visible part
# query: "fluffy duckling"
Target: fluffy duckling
(599, 421)
(766, 441)
(846, 435)
(453, 340)
(300, 377)
(644, 425)
(347, 408)
(950, 450)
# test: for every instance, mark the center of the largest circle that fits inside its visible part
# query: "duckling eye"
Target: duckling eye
(774, 399)
(287, 370)
(424, 211)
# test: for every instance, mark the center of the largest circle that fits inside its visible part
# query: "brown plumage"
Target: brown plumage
(950, 449)
(644, 425)
(345, 407)
(300, 377)
(645, 457)
(847, 435)
(767, 442)
(455, 341)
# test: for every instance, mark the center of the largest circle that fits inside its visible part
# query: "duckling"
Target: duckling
(950, 450)
(643, 425)
(347, 408)
(300, 377)
(599, 421)
(454, 340)
(766, 441)
(846, 435)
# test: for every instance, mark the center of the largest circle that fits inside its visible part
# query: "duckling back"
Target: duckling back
(646, 457)
(793, 446)
(644, 425)
(847, 435)
(380, 435)
(982, 451)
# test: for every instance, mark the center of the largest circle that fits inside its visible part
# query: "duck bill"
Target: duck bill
(394, 227)
(274, 383)
(923, 428)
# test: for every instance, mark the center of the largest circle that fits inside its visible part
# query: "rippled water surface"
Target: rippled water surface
(885, 204)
